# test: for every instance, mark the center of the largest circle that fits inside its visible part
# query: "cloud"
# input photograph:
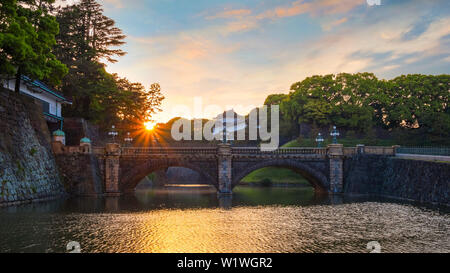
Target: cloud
(245, 20)
(335, 23)
(315, 8)
(230, 14)
(243, 70)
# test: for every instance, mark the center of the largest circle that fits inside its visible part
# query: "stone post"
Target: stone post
(360, 149)
(112, 169)
(60, 136)
(394, 149)
(85, 145)
(224, 168)
(336, 155)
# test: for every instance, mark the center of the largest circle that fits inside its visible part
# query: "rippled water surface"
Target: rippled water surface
(195, 220)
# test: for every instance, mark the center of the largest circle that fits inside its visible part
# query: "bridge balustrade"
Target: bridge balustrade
(349, 151)
(167, 150)
(379, 150)
(281, 151)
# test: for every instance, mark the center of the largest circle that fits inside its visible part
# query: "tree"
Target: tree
(352, 101)
(87, 37)
(310, 101)
(419, 103)
(410, 106)
(275, 99)
(27, 35)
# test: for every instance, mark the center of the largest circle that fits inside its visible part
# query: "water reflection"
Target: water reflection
(194, 219)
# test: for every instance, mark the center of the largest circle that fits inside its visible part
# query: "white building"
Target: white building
(232, 121)
(51, 100)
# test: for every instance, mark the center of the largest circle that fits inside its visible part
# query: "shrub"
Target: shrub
(266, 182)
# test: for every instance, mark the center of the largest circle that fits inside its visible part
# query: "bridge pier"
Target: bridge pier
(336, 157)
(224, 168)
(112, 157)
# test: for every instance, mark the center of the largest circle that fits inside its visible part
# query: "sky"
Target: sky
(209, 56)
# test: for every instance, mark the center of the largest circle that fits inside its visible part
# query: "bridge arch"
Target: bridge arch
(317, 179)
(132, 174)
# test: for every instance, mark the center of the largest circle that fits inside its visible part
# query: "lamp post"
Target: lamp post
(128, 139)
(334, 134)
(224, 129)
(113, 132)
(319, 140)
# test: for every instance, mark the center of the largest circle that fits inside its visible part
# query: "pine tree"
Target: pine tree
(86, 40)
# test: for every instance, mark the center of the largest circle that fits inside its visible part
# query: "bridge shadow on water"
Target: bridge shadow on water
(200, 197)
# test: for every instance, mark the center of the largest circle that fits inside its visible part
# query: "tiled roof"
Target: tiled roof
(45, 88)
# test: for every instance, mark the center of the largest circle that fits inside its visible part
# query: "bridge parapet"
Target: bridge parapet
(244, 151)
(137, 151)
(379, 150)
(294, 151)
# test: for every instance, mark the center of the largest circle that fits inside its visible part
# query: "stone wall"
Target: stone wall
(27, 167)
(77, 128)
(80, 173)
(422, 181)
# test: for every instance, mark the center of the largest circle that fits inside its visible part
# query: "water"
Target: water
(193, 219)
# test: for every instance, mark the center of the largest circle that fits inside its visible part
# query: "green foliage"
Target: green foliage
(33, 151)
(415, 105)
(275, 99)
(27, 35)
(266, 182)
(152, 176)
(20, 168)
(275, 175)
(88, 37)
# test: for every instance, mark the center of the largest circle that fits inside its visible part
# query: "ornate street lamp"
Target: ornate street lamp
(319, 140)
(128, 139)
(334, 134)
(113, 133)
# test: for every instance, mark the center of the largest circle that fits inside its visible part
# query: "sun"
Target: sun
(149, 125)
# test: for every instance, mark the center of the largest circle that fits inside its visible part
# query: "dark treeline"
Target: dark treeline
(412, 109)
(67, 48)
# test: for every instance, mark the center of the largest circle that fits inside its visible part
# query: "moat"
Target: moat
(194, 219)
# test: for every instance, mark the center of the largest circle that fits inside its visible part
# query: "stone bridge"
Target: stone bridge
(224, 166)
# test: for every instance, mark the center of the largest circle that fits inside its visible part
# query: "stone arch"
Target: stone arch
(317, 179)
(131, 176)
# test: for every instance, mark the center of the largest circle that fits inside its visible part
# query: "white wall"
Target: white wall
(55, 106)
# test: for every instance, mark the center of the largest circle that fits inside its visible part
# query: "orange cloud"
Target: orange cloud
(335, 23)
(244, 20)
(231, 14)
(315, 8)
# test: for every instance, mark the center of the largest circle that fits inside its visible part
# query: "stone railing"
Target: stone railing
(379, 150)
(251, 151)
(349, 151)
(98, 150)
(279, 151)
(130, 151)
(59, 148)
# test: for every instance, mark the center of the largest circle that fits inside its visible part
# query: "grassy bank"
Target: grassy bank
(274, 176)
